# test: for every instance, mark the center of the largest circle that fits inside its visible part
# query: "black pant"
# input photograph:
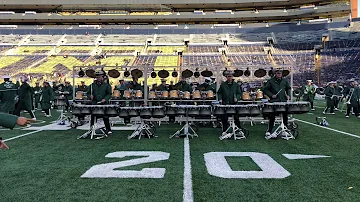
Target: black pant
(336, 102)
(47, 111)
(225, 123)
(355, 109)
(106, 121)
(312, 105)
(331, 109)
(272, 121)
(20, 106)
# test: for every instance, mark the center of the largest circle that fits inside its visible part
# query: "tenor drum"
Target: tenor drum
(152, 95)
(164, 94)
(85, 110)
(246, 96)
(145, 112)
(210, 94)
(254, 110)
(76, 110)
(133, 112)
(259, 95)
(170, 111)
(219, 110)
(186, 95)
(231, 109)
(123, 112)
(158, 112)
(79, 95)
(293, 108)
(111, 110)
(268, 108)
(196, 95)
(127, 94)
(193, 111)
(174, 94)
(138, 94)
(97, 110)
(180, 111)
(60, 101)
(116, 94)
(205, 110)
(280, 106)
(243, 110)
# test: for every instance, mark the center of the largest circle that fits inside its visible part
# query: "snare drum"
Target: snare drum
(127, 94)
(298, 107)
(174, 94)
(246, 96)
(79, 95)
(60, 101)
(164, 94)
(152, 95)
(186, 95)
(116, 94)
(210, 94)
(138, 94)
(259, 95)
(196, 95)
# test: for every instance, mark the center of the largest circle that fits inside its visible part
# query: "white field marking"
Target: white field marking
(188, 191)
(303, 156)
(23, 135)
(334, 130)
(324, 108)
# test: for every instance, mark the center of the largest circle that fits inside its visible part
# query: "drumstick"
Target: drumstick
(278, 92)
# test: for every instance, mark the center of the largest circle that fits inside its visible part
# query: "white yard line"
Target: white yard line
(23, 135)
(188, 191)
(327, 128)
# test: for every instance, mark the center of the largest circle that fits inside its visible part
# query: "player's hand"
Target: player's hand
(22, 121)
(91, 97)
(274, 96)
(288, 97)
(235, 99)
(103, 100)
(220, 101)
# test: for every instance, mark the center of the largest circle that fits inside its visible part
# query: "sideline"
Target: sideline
(334, 130)
(188, 191)
(23, 135)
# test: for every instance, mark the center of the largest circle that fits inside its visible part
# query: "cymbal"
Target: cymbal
(163, 74)
(114, 73)
(206, 73)
(187, 73)
(238, 73)
(136, 73)
(90, 73)
(260, 73)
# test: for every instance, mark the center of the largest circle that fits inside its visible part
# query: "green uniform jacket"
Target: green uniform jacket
(46, 97)
(99, 91)
(228, 91)
(354, 99)
(8, 92)
(121, 87)
(183, 86)
(68, 89)
(81, 88)
(8, 120)
(163, 88)
(310, 95)
(337, 90)
(329, 92)
(273, 86)
(25, 92)
(208, 87)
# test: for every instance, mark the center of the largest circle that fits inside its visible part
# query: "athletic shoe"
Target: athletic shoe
(225, 135)
(109, 132)
(269, 135)
(324, 112)
(333, 113)
(48, 116)
(336, 109)
(312, 109)
(347, 116)
(34, 119)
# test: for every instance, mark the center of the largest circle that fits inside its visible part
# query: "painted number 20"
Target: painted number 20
(216, 165)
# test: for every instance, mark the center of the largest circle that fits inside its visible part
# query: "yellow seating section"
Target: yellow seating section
(80, 48)
(112, 61)
(166, 61)
(142, 13)
(9, 60)
(48, 66)
(114, 48)
(164, 49)
(27, 50)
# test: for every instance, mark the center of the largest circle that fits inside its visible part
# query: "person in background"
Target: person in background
(46, 99)
(37, 94)
(25, 102)
(8, 94)
(68, 90)
(329, 96)
(309, 93)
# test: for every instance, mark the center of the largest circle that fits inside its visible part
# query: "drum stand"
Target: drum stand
(143, 129)
(62, 117)
(92, 132)
(187, 129)
(283, 131)
(236, 132)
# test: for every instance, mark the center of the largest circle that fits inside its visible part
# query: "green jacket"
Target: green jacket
(8, 92)
(69, 89)
(329, 92)
(274, 86)
(355, 96)
(121, 87)
(228, 91)
(25, 92)
(46, 97)
(337, 90)
(163, 88)
(82, 88)
(8, 120)
(183, 86)
(310, 93)
(99, 91)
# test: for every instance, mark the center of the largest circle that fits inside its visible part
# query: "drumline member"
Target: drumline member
(171, 86)
(99, 93)
(82, 87)
(47, 96)
(329, 96)
(207, 85)
(8, 93)
(278, 90)
(353, 95)
(229, 93)
(338, 95)
(37, 94)
(67, 90)
(25, 102)
(183, 86)
(309, 93)
(163, 86)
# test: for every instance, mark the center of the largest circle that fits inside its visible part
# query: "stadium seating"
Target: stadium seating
(113, 50)
(10, 39)
(113, 61)
(44, 39)
(166, 61)
(126, 38)
(246, 48)
(76, 49)
(145, 61)
(29, 50)
(204, 49)
(203, 61)
(249, 60)
(163, 49)
(49, 65)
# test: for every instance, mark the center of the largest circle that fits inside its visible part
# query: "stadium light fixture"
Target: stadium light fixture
(267, 25)
(298, 23)
(285, 11)
(256, 11)
(186, 27)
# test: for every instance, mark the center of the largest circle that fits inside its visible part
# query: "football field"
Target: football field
(322, 164)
